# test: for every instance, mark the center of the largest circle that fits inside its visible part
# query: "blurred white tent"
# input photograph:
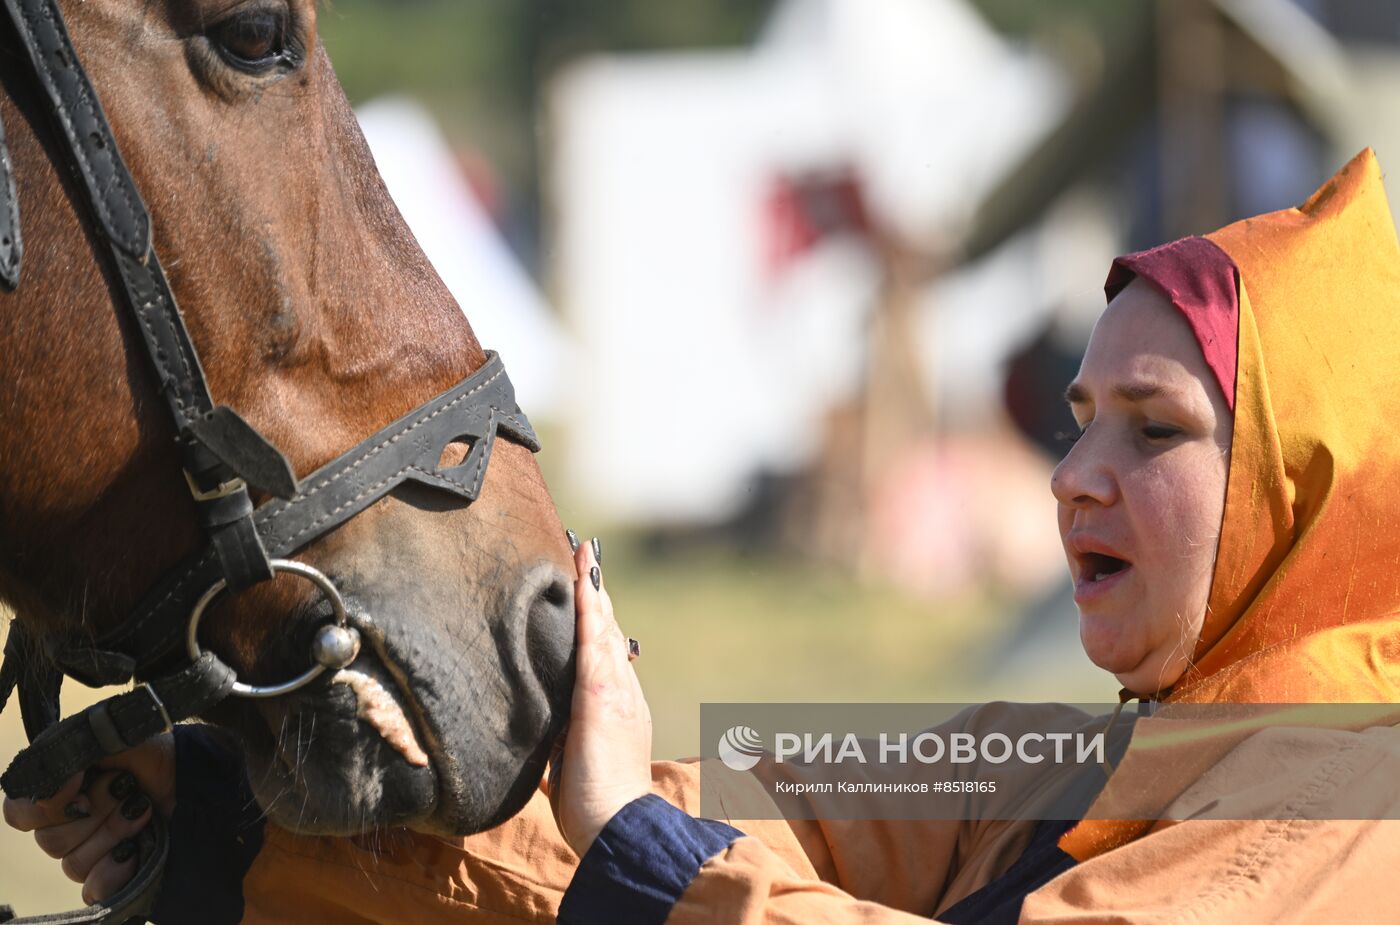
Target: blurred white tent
(703, 365)
(505, 308)
(931, 105)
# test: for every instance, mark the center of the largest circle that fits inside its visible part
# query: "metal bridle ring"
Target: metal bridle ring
(312, 575)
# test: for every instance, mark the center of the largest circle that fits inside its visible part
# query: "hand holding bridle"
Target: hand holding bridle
(91, 822)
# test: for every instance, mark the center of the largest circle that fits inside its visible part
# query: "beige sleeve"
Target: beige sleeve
(748, 884)
(1238, 872)
(902, 864)
(1336, 858)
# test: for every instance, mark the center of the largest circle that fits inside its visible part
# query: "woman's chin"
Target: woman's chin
(1142, 673)
(1103, 641)
(1124, 647)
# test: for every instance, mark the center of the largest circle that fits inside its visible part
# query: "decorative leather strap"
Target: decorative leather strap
(409, 449)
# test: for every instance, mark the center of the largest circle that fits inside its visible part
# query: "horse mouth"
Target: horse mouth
(484, 745)
(414, 732)
(347, 755)
(386, 662)
(392, 709)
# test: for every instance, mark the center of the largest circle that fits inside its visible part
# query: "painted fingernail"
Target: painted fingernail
(76, 810)
(122, 786)
(573, 539)
(135, 805)
(125, 851)
(597, 550)
(597, 578)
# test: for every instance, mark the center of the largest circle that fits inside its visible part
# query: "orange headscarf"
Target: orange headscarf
(1306, 591)
(1304, 602)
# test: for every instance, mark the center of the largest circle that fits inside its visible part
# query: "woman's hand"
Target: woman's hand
(91, 822)
(606, 759)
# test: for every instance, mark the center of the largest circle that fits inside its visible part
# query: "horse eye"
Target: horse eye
(253, 41)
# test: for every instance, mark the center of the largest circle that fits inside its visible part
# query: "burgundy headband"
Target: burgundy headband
(1202, 281)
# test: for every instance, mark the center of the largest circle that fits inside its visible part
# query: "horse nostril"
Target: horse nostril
(556, 594)
(550, 633)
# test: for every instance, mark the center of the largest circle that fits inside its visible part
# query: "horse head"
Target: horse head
(319, 320)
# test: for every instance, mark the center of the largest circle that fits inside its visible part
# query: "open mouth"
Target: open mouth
(1097, 567)
(1098, 574)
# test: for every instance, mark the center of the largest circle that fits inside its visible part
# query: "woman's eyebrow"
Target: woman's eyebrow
(1076, 394)
(1136, 391)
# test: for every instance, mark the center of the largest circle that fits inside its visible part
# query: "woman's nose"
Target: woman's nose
(1083, 477)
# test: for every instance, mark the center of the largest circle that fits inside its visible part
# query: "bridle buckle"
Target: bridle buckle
(160, 705)
(232, 487)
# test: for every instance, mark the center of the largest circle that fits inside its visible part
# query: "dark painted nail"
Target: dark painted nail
(597, 550)
(597, 578)
(125, 851)
(135, 805)
(573, 539)
(122, 786)
(75, 810)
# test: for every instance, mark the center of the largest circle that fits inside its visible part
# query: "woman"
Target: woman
(1229, 516)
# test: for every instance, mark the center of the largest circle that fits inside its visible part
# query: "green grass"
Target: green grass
(717, 627)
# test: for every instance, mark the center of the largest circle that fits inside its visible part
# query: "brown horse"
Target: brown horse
(319, 320)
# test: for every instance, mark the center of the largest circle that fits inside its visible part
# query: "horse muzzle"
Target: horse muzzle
(442, 725)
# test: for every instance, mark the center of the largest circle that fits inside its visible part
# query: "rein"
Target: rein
(223, 458)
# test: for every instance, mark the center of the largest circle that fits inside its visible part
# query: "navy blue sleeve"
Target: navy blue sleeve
(641, 863)
(215, 833)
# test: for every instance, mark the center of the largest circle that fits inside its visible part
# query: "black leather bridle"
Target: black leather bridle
(224, 458)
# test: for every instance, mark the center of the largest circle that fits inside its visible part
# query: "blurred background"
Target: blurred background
(791, 289)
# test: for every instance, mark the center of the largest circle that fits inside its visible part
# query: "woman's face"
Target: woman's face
(1142, 491)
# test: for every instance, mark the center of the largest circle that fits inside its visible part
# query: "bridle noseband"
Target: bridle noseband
(224, 458)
